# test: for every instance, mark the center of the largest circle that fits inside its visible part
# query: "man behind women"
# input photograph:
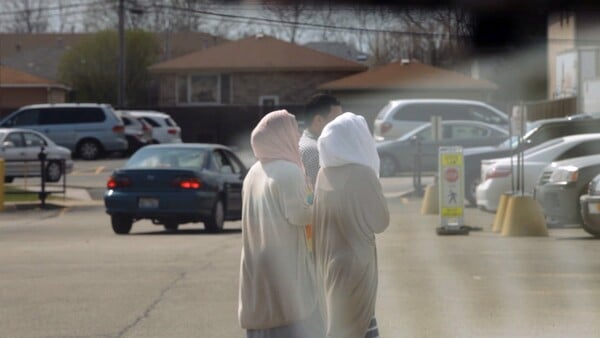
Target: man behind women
(277, 297)
(349, 209)
(320, 110)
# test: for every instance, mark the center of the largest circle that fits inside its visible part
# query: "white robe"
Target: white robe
(349, 209)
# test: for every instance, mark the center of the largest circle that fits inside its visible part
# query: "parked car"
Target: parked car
(138, 132)
(497, 176)
(538, 132)
(399, 155)
(590, 207)
(89, 130)
(20, 149)
(164, 128)
(560, 187)
(172, 184)
(399, 117)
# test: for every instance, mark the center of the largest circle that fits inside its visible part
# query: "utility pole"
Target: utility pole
(121, 82)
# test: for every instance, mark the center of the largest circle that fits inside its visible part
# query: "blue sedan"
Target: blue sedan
(172, 184)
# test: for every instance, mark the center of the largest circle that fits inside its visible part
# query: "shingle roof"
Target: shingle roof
(339, 49)
(257, 54)
(411, 75)
(10, 77)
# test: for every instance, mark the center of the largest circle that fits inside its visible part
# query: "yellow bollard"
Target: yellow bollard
(2, 184)
(500, 212)
(430, 203)
(523, 217)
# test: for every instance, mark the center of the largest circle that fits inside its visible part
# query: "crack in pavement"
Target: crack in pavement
(151, 307)
(180, 277)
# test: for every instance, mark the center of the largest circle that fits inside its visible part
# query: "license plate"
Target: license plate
(594, 208)
(145, 202)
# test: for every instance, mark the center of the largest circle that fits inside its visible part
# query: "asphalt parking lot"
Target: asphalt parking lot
(63, 273)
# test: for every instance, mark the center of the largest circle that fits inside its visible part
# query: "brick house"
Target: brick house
(254, 71)
(18, 89)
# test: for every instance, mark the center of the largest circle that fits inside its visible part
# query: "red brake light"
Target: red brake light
(118, 128)
(385, 127)
(172, 131)
(497, 172)
(187, 183)
(118, 182)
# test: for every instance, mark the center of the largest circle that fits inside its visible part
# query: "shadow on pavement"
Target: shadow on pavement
(187, 232)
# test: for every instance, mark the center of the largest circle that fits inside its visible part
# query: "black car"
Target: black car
(539, 132)
(172, 184)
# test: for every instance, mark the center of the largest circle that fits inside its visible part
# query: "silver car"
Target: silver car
(89, 130)
(400, 155)
(590, 207)
(20, 149)
(560, 186)
(399, 117)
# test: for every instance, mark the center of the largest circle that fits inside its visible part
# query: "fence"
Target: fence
(551, 108)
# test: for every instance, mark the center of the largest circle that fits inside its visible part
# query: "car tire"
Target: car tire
(8, 179)
(388, 166)
(53, 171)
(217, 218)
(171, 226)
(470, 191)
(89, 149)
(121, 224)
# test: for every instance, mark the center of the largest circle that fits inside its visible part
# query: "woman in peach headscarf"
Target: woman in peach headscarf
(277, 296)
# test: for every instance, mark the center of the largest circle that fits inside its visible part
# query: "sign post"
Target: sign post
(451, 191)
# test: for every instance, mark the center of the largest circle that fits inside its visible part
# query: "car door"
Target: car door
(232, 172)
(13, 152)
(32, 147)
(467, 135)
(58, 124)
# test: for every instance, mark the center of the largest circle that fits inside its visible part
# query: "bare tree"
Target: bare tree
(291, 13)
(29, 16)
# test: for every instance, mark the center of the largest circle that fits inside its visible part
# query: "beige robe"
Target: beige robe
(277, 282)
(349, 208)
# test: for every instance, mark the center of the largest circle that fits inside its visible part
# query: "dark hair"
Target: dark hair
(319, 104)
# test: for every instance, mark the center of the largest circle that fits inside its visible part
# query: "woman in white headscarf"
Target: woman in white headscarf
(349, 210)
(277, 297)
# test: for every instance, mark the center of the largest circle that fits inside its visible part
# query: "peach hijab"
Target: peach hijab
(276, 137)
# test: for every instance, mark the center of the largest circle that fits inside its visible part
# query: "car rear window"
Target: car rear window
(167, 157)
(151, 121)
(384, 111)
(169, 121)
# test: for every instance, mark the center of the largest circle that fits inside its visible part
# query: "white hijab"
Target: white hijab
(346, 140)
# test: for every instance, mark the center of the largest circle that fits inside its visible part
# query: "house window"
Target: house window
(203, 89)
(268, 100)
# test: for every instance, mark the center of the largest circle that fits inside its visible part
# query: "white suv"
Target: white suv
(399, 117)
(164, 128)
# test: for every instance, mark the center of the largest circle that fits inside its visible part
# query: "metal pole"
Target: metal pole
(121, 80)
(523, 112)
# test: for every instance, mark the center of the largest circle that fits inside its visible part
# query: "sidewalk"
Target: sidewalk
(73, 197)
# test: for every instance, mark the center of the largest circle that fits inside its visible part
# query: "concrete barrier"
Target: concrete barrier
(430, 203)
(523, 217)
(500, 213)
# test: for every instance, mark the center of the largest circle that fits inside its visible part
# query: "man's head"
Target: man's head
(320, 110)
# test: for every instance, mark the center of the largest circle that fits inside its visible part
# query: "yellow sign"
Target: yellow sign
(451, 159)
(452, 212)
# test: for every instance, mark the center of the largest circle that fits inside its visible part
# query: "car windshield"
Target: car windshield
(163, 157)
